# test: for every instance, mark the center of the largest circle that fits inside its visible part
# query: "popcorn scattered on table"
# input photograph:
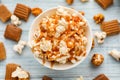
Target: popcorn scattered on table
(115, 54)
(20, 74)
(15, 20)
(81, 78)
(100, 37)
(19, 47)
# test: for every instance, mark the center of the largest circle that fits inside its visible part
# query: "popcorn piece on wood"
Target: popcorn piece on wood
(98, 18)
(115, 54)
(81, 78)
(97, 59)
(11, 67)
(19, 47)
(2, 51)
(15, 20)
(69, 2)
(100, 37)
(20, 74)
(36, 11)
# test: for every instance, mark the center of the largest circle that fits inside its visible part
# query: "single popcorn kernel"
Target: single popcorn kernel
(36, 11)
(82, 13)
(69, 1)
(97, 59)
(98, 18)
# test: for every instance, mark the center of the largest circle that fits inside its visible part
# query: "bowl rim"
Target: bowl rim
(90, 41)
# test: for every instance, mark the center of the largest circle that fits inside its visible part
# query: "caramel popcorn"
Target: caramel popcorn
(36, 11)
(60, 37)
(69, 1)
(98, 18)
(82, 13)
(97, 59)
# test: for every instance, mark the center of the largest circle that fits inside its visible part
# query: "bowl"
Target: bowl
(56, 66)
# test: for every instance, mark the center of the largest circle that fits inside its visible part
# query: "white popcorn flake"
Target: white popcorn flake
(115, 54)
(73, 61)
(74, 14)
(81, 78)
(15, 20)
(63, 59)
(37, 34)
(63, 23)
(19, 47)
(100, 37)
(63, 47)
(81, 23)
(19, 73)
(78, 57)
(84, 39)
(61, 11)
(45, 45)
(36, 54)
(59, 30)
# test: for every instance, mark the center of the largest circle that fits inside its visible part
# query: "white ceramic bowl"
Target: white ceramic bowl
(66, 66)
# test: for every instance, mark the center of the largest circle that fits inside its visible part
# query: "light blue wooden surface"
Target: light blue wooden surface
(110, 67)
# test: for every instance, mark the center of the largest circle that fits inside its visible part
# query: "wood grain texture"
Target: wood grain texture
(110, 67)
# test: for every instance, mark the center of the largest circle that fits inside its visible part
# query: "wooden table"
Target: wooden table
(110, 67)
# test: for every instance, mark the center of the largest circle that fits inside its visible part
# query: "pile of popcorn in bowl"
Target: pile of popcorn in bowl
(60, 37)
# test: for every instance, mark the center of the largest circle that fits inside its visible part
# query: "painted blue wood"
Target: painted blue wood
(110, 67)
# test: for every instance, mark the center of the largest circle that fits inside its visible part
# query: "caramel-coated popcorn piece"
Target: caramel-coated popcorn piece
(98, 18)
(36, 11)
(97, 59)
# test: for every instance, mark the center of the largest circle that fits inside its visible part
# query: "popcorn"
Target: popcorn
(100, 37)
(73, 61)
(19, 47)
(81, 78)
(61, 11)
(84, 39)
(63, 47)
(15, 20)
(115, 54)
(63, 23)
(97, 59)
(45, 45)
(58, 36)
(63, 59)
(20, 73)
